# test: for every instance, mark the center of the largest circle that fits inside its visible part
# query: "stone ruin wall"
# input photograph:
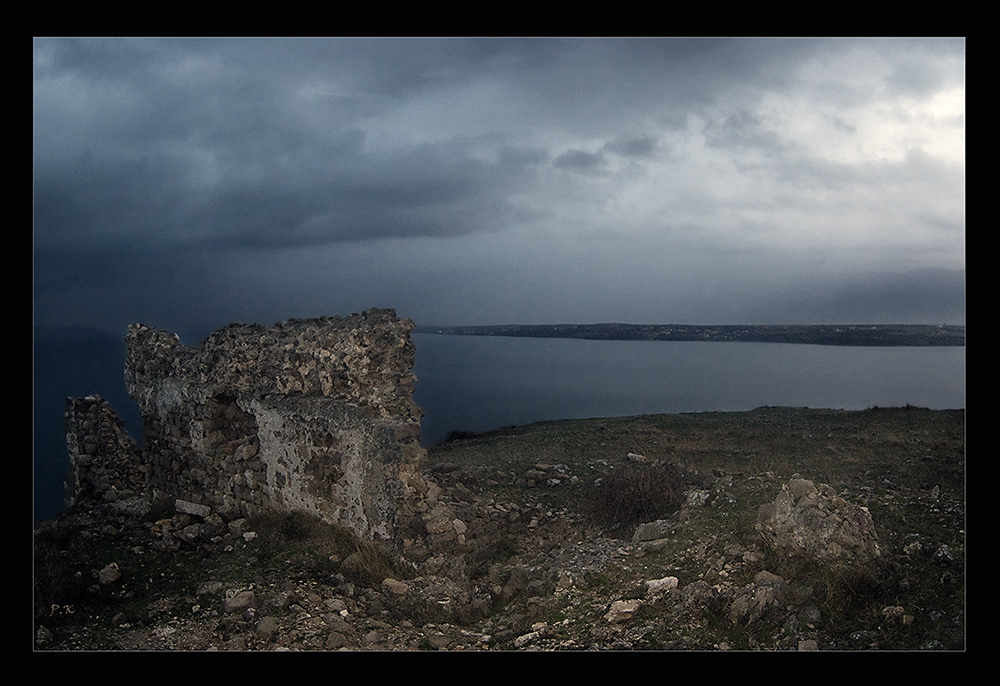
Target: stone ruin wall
(104, 462)
(309, 415)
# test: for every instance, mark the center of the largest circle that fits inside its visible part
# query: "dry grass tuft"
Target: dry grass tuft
(631, 495)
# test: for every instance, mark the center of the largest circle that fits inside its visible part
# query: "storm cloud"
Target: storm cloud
(187, 183)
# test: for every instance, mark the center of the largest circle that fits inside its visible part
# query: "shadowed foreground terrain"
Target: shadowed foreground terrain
(551, 553)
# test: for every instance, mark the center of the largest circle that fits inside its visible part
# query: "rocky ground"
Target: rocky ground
(531, 561)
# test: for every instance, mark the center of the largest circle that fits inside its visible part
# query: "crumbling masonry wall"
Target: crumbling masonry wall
(105, 463)
(314, 415)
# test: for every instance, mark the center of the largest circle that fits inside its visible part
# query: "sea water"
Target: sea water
(478, 383)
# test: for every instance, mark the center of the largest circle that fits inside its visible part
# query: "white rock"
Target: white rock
(661, 585)
(622, 609)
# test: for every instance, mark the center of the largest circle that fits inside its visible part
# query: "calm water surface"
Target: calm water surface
(477, 383)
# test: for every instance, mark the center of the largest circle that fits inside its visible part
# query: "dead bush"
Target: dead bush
(630, 495)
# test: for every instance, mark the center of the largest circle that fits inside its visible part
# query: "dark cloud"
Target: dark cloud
(639, 147)
(580, 160)
(925, 296)
(745, 130)
(183, 178)
(312, 196)
(217, 157)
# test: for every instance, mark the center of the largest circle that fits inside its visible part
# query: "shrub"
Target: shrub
(631, 495)
(369, 564)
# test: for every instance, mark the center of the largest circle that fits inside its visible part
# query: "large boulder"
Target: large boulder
(812, 523)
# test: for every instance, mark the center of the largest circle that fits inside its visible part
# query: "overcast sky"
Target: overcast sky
(188, 183)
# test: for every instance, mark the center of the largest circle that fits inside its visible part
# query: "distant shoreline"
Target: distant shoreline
(814, 334)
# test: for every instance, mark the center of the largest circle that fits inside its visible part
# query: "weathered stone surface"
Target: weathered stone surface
(105, 463)
(309, 415)
(622, 610)
(362, 359)
(654, 586)
(652, 531)
(336, 641)
(185, 507)
(768, 591)
(814, 523)
(266, 627)
(239, 601)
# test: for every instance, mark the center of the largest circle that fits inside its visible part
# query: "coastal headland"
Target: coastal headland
(814, 334)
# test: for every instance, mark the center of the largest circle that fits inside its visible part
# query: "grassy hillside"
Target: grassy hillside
(545, 559)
